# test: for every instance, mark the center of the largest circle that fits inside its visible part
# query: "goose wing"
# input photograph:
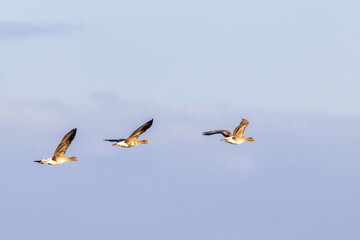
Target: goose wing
(225, 133)
(239, 130)
(65, 143)
(141, 129)
(115, 140)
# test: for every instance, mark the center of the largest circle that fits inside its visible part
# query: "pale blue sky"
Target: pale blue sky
(290, 68)
(280, 56)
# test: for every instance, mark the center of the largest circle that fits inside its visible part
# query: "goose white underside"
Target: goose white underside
(233, 141)
(49, 161)
(123, 144)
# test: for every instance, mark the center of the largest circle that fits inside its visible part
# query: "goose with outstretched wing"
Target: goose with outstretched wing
(132, 140)
(59, 155)
(235, 137)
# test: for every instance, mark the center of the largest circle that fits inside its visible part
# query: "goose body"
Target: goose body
(129, 143)
(236, 137)
(124, 144)
(132, 140)
(59, 155)
(233, 140)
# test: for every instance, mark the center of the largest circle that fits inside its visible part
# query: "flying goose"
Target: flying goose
(132, 141)
(234, 138)
(59, 155)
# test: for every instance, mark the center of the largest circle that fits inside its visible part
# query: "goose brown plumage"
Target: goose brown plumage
(59, 154)
(235, 137)
(132, 140)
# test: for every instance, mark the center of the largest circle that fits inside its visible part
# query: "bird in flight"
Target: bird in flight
(236, 137)
(59, 155)
(132, 141)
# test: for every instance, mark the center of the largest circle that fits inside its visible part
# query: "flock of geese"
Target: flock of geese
(235, 137)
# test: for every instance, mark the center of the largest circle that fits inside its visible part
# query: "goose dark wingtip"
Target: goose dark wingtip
(151, 122)
(73, 130)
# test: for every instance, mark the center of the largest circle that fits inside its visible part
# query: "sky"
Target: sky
(290, 68)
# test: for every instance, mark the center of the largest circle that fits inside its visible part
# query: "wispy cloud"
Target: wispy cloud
(179, 129)
(22, 30)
